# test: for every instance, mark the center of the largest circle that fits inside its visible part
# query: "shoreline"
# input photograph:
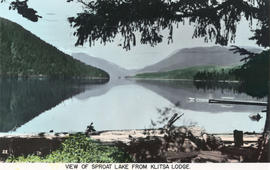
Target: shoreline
(124, 135)
(188, 80)
(53, 77)
(45, 143)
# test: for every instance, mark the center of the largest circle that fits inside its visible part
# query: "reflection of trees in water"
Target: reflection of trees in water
(22, 100)
(184, 90)
(251, 89)
(214, 85)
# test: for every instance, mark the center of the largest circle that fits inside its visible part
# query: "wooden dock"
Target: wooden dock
(238, 102)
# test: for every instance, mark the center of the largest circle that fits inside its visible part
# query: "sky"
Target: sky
(54, 28)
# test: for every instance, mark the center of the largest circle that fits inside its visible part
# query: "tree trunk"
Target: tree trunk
(263, 150)
(267, 122)
(264, 147)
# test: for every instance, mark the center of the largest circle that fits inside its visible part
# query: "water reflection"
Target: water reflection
(34, 106)
(134, 105)
(122, 107)
(23, 99)
(185, 91)
(232, 87)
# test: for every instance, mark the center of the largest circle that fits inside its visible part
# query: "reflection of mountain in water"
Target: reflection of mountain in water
(100, 89)
(179, 91)
(22, 100)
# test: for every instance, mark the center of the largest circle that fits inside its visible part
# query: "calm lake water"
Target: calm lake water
(33, 106)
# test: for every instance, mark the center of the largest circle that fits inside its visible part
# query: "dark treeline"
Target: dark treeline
(215, 75)
(254, 75)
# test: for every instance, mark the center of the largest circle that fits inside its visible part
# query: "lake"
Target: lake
(33, 106)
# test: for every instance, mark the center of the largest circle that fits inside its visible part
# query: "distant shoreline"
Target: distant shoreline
(48, 77)
(190, 80)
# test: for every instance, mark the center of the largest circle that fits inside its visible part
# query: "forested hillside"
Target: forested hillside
(24, 54)
(196, 72)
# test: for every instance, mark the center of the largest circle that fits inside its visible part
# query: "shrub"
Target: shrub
(77, 149)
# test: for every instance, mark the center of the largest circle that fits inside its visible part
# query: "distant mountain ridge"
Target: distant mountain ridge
(114, 70)
(179, 59)
(197, 56)
(24, 54)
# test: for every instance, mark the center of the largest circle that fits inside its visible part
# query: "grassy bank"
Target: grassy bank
(152, 145)
(78, 149)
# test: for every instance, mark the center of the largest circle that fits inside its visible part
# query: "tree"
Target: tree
(23, 9)
(214, 20)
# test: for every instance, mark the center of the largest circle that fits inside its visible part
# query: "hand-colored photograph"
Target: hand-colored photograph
(134, 81)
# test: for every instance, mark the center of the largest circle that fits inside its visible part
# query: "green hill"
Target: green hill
(186, 73)
(24, 54)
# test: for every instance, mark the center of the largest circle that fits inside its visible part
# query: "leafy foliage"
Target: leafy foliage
(214, 20)
(22, 8)
(254, 75)
(24, 54)
(79, 149)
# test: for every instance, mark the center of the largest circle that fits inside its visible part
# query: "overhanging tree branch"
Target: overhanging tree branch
(213, 20)
(23, 9)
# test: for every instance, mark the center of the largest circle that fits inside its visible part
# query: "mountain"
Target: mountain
(24, 54)
(198, 56)
(114, 70)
